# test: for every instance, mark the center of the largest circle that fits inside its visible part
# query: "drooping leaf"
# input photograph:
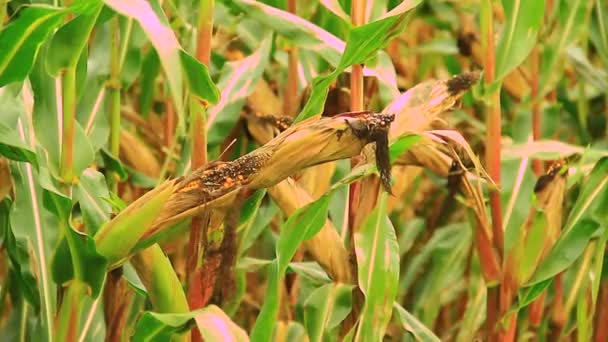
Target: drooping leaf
(20, 40)
(378, 269)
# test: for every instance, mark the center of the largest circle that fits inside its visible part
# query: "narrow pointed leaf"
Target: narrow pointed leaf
(300, 226)
(325, 308)
(20, 40)
(237, 82)
(523, 19)
(378, 268)
(413, 326)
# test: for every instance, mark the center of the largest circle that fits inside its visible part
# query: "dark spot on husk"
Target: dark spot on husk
(546, 179)
(217, 176)
(465, 42)
(281, 122)
(374, 128)
(455, 175)
(462, 82)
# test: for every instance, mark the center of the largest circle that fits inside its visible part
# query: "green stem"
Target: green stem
(68, 97)
(68, 321)
(114, 96)
(3, 4)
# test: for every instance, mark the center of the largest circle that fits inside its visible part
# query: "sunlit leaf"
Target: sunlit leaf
(11, 148)
(378, 268)
(363, 43)
(17, 252)
(413, 325)
(91, 193)
(212, 322)
(20, 40)
(300, 226)
(237, 81)
(523, 19)
(67, 43)
(325, 308)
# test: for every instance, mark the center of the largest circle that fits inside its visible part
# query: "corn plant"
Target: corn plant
(356, 170)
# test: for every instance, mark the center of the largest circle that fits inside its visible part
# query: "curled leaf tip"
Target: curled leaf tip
(461, 83)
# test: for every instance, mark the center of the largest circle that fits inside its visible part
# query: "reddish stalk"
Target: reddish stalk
(169, 120)
(356, 103)
(201, 282)
(536, 110)
(601, 316)
(290, 100)
(493, 137)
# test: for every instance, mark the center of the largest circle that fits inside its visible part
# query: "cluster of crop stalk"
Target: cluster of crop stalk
(289, 151)
(292, 164)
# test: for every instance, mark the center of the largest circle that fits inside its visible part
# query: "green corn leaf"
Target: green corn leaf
(301, 225)
(199, 81)
(362, 44)
(161, 282)
(20, 40)
(523, 19)
(116, 239)
(76, 249)
(68, 42)
(571, 17)
(325, 308)
(566, 250)
(413, 326)
(156, 26)
(378, 269)
(18, 255)
(237, 81)
(29, 220)
(528, 294)
(91, 193)
(212, 322)
(12, 148)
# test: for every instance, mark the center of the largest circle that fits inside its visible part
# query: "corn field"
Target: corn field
(324, 170)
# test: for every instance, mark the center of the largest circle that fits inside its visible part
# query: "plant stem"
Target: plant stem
(3, 4)
(291, 90)
(354, 195)
(493, 135)
(199, 150)
(68, 320)
(114, 95)
(68, 98)
(492, 151)
(536, 102)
